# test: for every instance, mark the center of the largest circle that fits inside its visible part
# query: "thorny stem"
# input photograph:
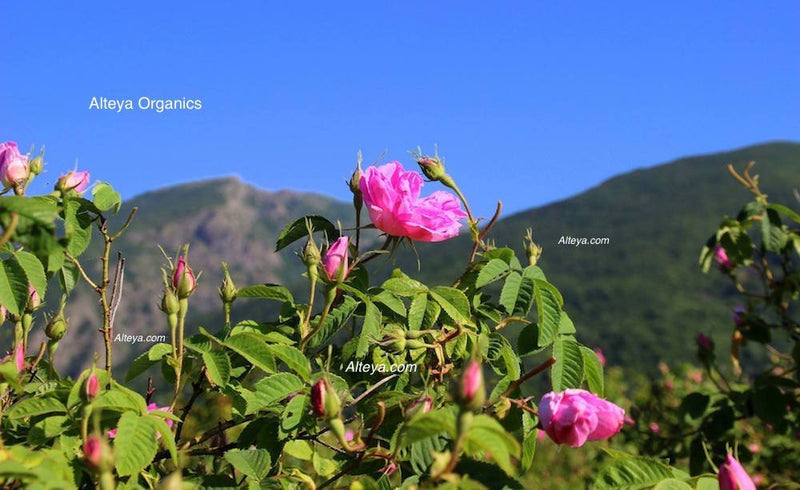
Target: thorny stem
(525, 377)
(179, 349)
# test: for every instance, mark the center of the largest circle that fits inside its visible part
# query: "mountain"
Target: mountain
(641, 297)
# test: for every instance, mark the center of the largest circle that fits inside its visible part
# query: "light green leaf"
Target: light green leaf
(416, 311)
(218, 366)
(34, 270)
(548, 306)
(147, 360)
(369, 330)
(31, 407)
(593, 371)
(428, 425)
(105, 197)
(633, 473)
(335, 320)
(274, 292)
(299, 449)
(567, 372)
(135, 444)
(277, 387)
(13, 287)
(254, 463)
(252, 348)
(453, 302)
(41, 209)
(166, 434)
(292, 357)
(491, 272)
(672, 484)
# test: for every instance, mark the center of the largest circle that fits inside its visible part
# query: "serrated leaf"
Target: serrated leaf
(369, 329)
(672, 484)
(254, 463)
(293, 414)
(218, 367)
(528, 450)
(293, 358)
(299, 449)
(276, 387)
(274, 292)
(567, 372)
(632, 473)
(335, 320)
(404, 286)
(388, 299)
(491, 272)
(416, 311)
(298, 229)
(593, 371)
(13, 286)
(77, 226)
(68, 276)
(548, 309)
(252, 348)
(105, 197)
(166, 434)
(486, 435)
(31, 407)
(428, 425)
(135, 444)
(453, 301)
(34, 270)
(41, 209)
(148, 360)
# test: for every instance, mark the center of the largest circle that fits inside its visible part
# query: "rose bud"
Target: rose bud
(56, 328)
(183, 279)
(13, 165)
(722, 260)
(227, 291)
(33, 299)
(395, 341)
(575, 416)
(732, 476)
(93, 451)
(471, 391)
(335, 261)
(19, 357)
(73, 181)
(421, 405)
(92, 386)
(324, 401)
(170, 304)
(432, 167)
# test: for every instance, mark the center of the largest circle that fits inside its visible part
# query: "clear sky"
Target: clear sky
(529, 102)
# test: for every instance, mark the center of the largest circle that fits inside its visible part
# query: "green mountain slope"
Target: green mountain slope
(641, 297)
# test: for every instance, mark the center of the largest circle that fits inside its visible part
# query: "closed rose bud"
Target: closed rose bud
(92, 386)
(575, 416)
(432, 167)
(471, 391)
(33, 299)
(654, 428)
(722, 260)
(13, 165)
(227, 291)
(394, 341)
(170, 304)
(19, 357)
(335, 262)
(93, 451)
(73, 181)
(324, 401)
(421, 405)
(56, 328)
(183, 279)
(732, 476)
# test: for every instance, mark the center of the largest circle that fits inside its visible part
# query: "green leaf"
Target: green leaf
(254, 463)
(116, 400)
(31, 407)
(322, 465)
(148, 360)
(252, 348)
(593, 371)
(633, 473)
(68, 277)
(672, 484)
(785, 211)
(453, 302)
(528, 450)
(276, 387)
(43, 210)
(299, 449)
(391, 301)
(218, 366)
(548, 306)
(486, 435)
(273, 292)
(298, 229)
(404, 286)
(293, 414)
(491, 272)
(567, 372)
(166, 435)
(135, 445)
(428, 425)
(416, 311)
(369, 330)
(105, 197)
(292, 357)
(13, 287)
(77, 226)
(335, 320)
(565, 325)
(34, 270)
(707, 483)
(772, 234)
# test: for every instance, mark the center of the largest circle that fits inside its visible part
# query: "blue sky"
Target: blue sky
(529, 102)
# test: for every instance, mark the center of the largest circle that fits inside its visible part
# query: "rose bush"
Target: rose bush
(297, 417)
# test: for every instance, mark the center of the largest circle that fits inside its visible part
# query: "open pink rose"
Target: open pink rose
(335, 258)
(391, 195)
(575, 416)
(13, 165)
(732, 476)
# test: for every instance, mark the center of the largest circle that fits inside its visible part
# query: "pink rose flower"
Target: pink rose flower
(335, 258)
(732, 476)
(73, 180)
(13, 165)
(391, 195)
(575, 416)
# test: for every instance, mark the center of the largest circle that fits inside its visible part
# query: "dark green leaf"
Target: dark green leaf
(298, 229)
